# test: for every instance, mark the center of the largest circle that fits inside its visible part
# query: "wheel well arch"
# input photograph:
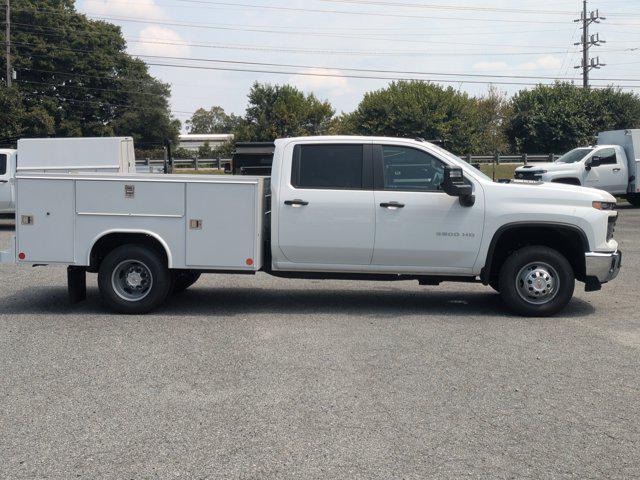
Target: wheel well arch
(107, 241)
(569, 240)
(567, 181)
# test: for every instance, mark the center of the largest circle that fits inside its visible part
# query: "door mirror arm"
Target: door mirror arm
(455, 186)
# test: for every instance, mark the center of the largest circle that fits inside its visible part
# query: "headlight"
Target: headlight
(605, 205)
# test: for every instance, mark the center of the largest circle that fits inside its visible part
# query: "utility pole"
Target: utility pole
(587, 18)
(7, 36)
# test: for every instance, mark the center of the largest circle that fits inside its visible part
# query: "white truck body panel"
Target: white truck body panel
(100, 154)
(63, 155)
(78, 210)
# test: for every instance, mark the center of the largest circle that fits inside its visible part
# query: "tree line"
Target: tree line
(75, 78)
(544, 119)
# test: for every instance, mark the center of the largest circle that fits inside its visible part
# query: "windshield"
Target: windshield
(458, 160)
(574, 155)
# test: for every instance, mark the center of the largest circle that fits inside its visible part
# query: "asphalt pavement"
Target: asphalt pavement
(258, 377)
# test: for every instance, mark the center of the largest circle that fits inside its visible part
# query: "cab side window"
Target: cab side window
(607, 156)
(409, 169)
(3, 164)
(338, 167)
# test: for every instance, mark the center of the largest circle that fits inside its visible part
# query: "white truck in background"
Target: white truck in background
(60, 155)
(613, 165)
(368, 208)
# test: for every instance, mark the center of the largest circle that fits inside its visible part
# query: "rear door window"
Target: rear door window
(335, 167)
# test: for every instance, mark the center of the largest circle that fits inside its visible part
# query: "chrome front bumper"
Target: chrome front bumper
(603, 266)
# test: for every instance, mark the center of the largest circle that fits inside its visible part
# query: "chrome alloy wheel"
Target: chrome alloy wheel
(537, 283)
(132, 280)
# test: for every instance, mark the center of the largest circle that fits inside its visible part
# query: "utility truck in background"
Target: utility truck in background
(368, 208)
(613, 165)
(62, 155)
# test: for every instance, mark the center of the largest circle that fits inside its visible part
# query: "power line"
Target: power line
(230, 46)
(316, 10)
(330, 75)
(303, 33)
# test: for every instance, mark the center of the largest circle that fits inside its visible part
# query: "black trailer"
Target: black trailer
(251, 158)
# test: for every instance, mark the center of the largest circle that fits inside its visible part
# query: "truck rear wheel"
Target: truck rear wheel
(133, 279)
(183, 279)
(536, 281)
(634, 199)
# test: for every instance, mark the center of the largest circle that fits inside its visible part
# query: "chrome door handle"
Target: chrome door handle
(616, 169)
(392, 205)
(296, 203)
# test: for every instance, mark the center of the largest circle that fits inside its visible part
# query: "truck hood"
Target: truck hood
(553, 193)
(549, 167)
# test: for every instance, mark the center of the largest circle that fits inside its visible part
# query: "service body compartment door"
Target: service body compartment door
(223, 226)
(45, 220)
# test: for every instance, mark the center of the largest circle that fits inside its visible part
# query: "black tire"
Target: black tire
(549, 284)
(634, 199)
(147, 268)
(495, 284)
(183, 279)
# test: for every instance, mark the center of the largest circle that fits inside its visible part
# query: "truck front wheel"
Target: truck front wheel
(634, 199)
(133, 279)
(536, 281)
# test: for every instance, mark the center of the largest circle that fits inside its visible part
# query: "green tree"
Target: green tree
(563, 116)
(493, 111)
(75, 78)
(214, 120)
(283, 111)
(419, 109)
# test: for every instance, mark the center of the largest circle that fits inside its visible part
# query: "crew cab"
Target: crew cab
(368, 208)
(612, 165)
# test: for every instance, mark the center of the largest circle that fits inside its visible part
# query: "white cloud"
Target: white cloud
(546, 62)
(156, 40)
(489, 66)
(130, 8)
(316, 81)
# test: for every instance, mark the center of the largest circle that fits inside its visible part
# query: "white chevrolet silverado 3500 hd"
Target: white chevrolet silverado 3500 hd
(613, 165)
(335, 207)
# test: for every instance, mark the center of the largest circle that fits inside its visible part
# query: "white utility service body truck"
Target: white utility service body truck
(59, 155)
(335, 207)
(613, 165)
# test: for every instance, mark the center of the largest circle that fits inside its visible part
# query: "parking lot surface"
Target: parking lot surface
(257, 377)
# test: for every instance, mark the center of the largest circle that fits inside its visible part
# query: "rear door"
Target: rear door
(326, 214)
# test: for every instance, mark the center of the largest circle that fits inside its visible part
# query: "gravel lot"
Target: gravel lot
(244, 377)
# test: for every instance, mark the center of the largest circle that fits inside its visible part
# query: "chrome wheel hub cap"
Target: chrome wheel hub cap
(132, 280)
(537, 283)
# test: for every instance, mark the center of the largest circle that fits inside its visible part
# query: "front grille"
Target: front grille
(611, 227)
(528, 175)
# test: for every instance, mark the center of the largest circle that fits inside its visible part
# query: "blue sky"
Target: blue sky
(327, 37)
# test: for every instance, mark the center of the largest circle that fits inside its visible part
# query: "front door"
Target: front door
(610, 174)
(5, 184)
(326, 214)
(418, 226)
